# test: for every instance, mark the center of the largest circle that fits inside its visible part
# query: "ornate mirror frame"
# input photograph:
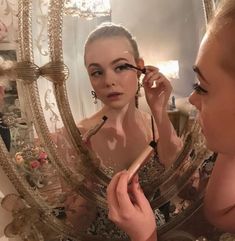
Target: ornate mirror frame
(57, 72)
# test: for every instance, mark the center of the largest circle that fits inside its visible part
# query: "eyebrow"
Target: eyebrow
(197, 71)
(118, 59)
(113, 62)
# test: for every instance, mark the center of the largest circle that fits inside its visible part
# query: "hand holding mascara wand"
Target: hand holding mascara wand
(91, 132)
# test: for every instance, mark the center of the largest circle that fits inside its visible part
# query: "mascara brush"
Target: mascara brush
(143, 71)
(91, 132)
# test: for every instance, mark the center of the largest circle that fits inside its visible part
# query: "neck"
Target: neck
(122, 116)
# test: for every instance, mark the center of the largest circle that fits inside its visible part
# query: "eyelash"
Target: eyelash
(122, 67)
(118, 68)
(199, 90)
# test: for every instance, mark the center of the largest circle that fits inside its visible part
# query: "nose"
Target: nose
(110, 79)
(195, 100)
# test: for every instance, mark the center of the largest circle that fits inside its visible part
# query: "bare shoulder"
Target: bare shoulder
(88, 123)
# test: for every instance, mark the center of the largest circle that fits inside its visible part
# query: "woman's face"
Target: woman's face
(114, 84)
(214, 97)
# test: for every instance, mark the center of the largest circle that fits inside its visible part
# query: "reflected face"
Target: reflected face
(214, 97)
(115, 85)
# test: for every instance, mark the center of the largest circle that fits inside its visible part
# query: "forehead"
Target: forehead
(108, 48)
(211, 61)
(217, 51)
(209, 55)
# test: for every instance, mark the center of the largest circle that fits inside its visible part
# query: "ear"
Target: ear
(140, 64)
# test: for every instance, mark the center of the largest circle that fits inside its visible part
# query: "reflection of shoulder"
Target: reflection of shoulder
(88, 123)
(84, 125)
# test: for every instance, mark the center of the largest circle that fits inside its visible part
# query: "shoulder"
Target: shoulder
(88, 123)
(84, 125)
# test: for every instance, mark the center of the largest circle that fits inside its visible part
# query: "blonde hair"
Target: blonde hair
(222, 27)
(108, 30)
(224, 15)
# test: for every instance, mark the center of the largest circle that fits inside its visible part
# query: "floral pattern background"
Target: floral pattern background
(8, 21)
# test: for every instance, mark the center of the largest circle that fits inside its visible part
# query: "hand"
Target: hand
(157, 97)
(130, 211)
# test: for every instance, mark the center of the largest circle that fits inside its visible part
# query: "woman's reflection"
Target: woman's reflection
(114, 66)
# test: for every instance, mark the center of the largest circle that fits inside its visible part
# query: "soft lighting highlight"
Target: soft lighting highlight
(169, 68)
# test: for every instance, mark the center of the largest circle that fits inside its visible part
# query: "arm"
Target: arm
(129, 209)
(169, 144)
(219, 204)
(80, 212)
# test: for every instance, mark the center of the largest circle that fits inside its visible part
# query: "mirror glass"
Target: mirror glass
(166, 39)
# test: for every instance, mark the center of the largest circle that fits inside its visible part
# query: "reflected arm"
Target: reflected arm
(157, 92)
(169, 144)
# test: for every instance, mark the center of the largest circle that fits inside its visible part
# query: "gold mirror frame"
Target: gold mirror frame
(57, 72)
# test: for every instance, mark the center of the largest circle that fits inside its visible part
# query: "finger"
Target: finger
(153, 77)
(160, 82)
(149, 77)
(123, 198)
(150, 68)
(111, 192)
(130, 187)
(139, 197)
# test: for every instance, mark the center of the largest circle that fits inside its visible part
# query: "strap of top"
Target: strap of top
(153, 129)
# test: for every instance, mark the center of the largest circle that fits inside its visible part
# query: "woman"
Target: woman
(127, 130)
(111, 58)
(214, 97)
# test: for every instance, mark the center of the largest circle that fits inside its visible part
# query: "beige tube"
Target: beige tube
(143, 157)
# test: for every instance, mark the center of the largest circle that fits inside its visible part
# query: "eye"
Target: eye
(96, 73)
(121, 67)
(199, 90)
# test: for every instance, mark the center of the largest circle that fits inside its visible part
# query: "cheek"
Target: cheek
(219, 129)
(130, 82)
(96, 85)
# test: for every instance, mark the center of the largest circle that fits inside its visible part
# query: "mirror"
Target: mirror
(44, 89)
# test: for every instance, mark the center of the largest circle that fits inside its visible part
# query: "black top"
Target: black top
(5, 133)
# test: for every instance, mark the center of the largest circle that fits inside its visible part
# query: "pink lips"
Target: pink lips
(114, 95)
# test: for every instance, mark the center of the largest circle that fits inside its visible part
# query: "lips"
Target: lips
(114, 94)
